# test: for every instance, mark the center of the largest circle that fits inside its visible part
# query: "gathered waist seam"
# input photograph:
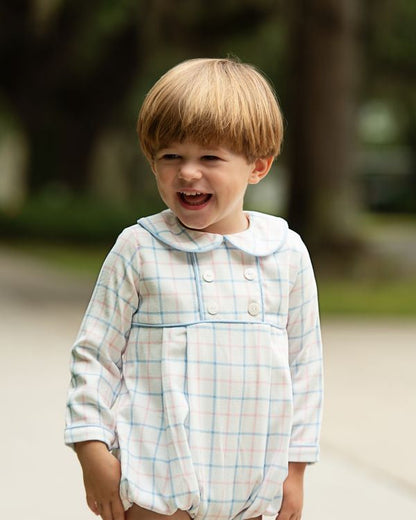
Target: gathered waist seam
(204, 322)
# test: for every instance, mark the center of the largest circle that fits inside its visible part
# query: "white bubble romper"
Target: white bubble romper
(199, 364)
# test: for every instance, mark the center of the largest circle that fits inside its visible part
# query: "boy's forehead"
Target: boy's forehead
(192, 143)
(197, 146)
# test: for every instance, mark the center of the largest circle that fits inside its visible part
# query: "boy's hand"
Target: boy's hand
(101, 471)
(292, 503)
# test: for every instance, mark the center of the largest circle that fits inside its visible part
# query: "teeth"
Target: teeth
(191, 194)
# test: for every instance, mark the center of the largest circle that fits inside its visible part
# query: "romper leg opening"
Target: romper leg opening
(140, 513)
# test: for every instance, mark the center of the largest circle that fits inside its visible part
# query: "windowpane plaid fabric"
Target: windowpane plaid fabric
(199, 364)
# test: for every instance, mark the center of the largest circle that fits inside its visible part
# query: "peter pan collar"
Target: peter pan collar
(265, 235)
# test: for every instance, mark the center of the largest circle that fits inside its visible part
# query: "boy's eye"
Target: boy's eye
(170, 156)
(210, 158)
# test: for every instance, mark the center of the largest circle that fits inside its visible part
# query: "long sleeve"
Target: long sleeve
(96, 356)
(306, 365)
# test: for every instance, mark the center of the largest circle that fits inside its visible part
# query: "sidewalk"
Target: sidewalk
(368, 460)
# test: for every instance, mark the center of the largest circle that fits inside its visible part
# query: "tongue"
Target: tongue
(196, 200)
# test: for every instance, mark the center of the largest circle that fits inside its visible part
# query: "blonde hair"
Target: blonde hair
(212, 102)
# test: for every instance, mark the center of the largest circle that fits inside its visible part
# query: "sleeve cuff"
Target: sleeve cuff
(74, 434)
(301, 453)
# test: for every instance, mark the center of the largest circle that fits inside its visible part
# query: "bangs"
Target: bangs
(212, 102)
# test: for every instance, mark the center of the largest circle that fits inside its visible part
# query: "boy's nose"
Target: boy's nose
(189, 172)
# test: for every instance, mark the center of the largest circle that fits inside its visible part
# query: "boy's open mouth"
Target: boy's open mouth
(194, 199)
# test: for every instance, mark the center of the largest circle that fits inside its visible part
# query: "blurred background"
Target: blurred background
(73, 76)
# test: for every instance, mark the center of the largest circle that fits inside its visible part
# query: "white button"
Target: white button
(212, 308)
(208, 276)
(249, 274)
(253, 309)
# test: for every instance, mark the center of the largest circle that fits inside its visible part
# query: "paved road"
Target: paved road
(368, 466)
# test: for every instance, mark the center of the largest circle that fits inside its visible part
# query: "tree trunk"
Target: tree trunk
(321, 122)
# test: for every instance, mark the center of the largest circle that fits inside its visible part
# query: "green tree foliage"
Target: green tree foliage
(66, 79)
(390, 42)
(389, 72)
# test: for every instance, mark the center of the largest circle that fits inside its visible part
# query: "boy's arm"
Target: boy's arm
(101, 472)
(292, 503)
(96, 358)
(305, 360)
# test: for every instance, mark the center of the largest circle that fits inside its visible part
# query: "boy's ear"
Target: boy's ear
(261, 168)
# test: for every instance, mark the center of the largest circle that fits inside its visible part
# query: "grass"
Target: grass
(379, 287)
(83, 260)
(370, 298)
